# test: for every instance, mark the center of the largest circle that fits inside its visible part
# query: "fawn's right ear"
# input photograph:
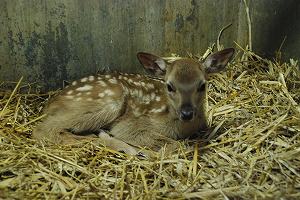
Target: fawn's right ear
(154, 64)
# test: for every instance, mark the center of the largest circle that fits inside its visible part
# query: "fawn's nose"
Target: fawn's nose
(186, 112)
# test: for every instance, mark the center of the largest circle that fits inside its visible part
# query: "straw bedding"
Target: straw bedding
(252, 152)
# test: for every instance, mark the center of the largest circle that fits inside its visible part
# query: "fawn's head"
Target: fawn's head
(185, 79)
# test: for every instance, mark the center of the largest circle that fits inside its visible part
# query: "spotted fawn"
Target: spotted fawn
(132, 110)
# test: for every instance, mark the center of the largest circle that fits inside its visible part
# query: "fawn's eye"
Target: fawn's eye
(170, 87)
(201, 87)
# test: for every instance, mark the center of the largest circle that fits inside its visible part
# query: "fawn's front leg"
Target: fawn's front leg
(140, 132)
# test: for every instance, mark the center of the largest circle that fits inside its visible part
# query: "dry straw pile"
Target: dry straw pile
(253, 151)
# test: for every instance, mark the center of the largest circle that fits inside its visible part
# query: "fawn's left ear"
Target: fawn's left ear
(153, 63)
(216, 62)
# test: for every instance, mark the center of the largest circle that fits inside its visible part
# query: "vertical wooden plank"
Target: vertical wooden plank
(195, 25)
(51, 41)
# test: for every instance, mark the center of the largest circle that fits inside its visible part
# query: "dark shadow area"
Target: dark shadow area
(281, 23)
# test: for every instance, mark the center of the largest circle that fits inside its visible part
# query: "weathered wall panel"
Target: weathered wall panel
(48, 41)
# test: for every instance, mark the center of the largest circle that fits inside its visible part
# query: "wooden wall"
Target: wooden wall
(48, 41)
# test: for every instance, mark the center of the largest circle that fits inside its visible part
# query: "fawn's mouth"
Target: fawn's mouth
(186, 119)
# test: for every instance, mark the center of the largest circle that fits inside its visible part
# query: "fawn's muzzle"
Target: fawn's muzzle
(186, 112)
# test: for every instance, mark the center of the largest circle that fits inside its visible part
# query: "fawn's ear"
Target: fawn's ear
(216, 62)
(154, 64)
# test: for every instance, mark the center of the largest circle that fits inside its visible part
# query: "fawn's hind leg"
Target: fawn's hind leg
(71, 119)
(57, 125)
(60, 136)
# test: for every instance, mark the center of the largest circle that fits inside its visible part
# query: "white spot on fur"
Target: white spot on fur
(125, 78)
(146, 98)
(109, 92)
(137, 84)
(84, 79)
(125, 89)
(88, 93)
(158, 80)
(157, 98)
(113, 106)
(137, 112)
(70, 92)
(143, 84)
(152, 95)
(79, 94)
(108, 76)
(89, 99)
(113, 81)
(70, 97)
(130, 80)
(84, 88)
(140, 93)
(91, 78)
(101, 95)
(74, 83)
(78, 99)
(150, 85)
(158, 110)
(163, 108)
(154, 110)
(102, 83)
(135, 92)
(120, 77)
(99, 78)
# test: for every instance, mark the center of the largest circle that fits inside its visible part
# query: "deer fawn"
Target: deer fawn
(135, 109)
